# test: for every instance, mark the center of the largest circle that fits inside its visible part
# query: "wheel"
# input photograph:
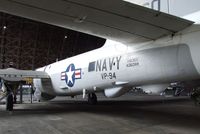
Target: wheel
(92, 98)
(9, 102)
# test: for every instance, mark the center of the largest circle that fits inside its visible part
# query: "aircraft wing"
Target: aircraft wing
(12, 74)
(111, 19)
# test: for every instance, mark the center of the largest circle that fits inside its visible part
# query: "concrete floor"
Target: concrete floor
(139, 115)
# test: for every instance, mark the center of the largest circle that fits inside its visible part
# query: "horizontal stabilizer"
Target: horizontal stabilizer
(12, 74)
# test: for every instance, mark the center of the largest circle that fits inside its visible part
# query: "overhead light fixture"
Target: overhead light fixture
(4, 27)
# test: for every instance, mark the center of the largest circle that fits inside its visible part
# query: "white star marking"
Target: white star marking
(69, 75)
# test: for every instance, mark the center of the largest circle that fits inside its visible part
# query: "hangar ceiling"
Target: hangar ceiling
(30, 44)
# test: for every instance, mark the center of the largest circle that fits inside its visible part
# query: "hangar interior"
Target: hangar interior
(29, 44)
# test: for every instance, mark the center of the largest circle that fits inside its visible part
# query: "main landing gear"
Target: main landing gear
(92, 98)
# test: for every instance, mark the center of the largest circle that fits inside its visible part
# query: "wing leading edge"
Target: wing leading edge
(111, 19)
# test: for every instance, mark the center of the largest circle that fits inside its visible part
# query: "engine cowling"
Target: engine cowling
(43, 96)
(115, 92)
(43, 89)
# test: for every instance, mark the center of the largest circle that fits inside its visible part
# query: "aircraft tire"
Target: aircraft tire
(9, 102)
(92, 98)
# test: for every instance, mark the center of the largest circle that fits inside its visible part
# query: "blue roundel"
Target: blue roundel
(70, 75)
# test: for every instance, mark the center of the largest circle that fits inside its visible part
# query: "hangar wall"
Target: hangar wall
(30, 44)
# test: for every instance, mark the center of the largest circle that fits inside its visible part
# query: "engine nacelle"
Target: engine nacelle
(43, 96)
(43, 89)
(115, 92)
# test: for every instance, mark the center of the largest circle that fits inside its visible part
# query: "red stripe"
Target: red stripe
(78, 73)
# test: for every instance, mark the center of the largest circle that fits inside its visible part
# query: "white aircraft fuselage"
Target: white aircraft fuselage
(116, 67)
